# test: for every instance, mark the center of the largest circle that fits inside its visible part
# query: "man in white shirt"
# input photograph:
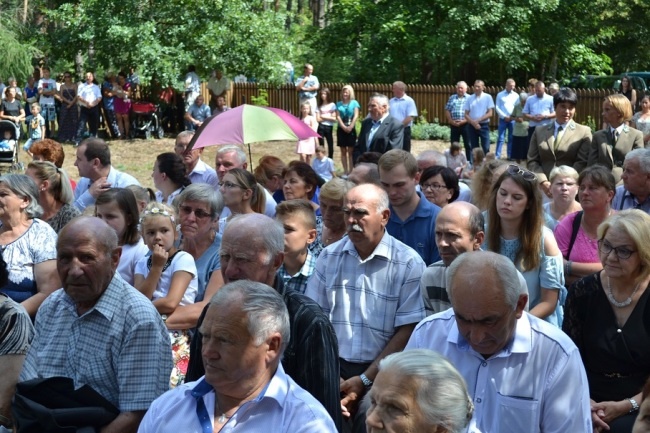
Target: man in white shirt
(197, 170)
(47, 90)
(245, 388)
(89, 98)
(219, 85)
(478, 109)
(539, 109)
(192, 86)
(505, 104)
(402, 108)
(523, 374)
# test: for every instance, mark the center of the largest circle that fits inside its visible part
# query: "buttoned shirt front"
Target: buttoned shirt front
(506, 102)
(478, 106)
(311, 82)
(199, 112)
(366, 300)
(401, 108)
(120, 347)
(116, 178)
(89, 92)
(536, 105)
(537, 383)
(281, 407)
(456, 106)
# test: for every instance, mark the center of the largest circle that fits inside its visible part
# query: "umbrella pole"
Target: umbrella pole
(250, 156)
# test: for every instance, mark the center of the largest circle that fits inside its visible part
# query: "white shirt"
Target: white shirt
(203, 173)
(46, 84)
(283, 407)
(535, 384)
(128, 259)
(182, 261)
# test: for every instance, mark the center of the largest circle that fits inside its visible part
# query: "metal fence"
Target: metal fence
(427, 97)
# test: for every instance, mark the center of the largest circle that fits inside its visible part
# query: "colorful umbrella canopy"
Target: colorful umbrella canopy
(247, 124)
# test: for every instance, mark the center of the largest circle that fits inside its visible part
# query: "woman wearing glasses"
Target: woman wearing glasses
(608, 317)
(515, 228)
(439, 185)
(199, 207)
(242, 194)
(577, 233)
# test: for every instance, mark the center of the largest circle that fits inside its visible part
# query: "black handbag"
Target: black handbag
(53, 406)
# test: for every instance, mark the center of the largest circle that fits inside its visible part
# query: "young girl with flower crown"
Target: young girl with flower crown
(167, 276)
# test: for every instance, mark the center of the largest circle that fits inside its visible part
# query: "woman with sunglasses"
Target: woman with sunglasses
(199, 207)
(69, 112)
(577, 233)
(515, 228)
(607, 317)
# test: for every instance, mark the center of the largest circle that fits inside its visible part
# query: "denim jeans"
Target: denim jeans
(483, 134)
(503, 128)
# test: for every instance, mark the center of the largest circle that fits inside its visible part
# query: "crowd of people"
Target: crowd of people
(390, 296)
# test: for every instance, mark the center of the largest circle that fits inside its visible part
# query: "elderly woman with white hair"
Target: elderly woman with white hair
(564, 188)
(418, 391)
(28, 244)
(331, 198)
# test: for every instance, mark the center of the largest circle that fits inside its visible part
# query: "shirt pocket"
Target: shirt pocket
(516, 415)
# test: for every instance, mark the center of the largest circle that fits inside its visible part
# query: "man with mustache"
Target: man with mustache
(368, 285)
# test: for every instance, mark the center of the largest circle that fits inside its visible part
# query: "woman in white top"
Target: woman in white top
(169, 177)
(641, 119)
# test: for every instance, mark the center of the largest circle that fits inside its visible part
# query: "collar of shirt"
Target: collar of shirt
(619, 129)
(107, 301)
(424, 209)
(382, 249)
(521, 343)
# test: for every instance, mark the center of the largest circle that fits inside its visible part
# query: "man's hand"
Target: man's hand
(99, 186)
(546, 188)
(353, 390)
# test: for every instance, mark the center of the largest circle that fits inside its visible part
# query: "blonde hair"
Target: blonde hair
(58, 179)
(349, 89)
(156, 209)
(246, 180)
(622, 105)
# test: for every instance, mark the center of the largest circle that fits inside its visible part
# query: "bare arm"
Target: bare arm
(549, 296)
(47, 281)
(187, 316)
(177, 288)
(10, 365)
(126, 422)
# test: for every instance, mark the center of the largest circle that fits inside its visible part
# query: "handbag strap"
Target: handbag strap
(574, 233)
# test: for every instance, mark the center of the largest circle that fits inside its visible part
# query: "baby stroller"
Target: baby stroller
(145, 120)
(9, 157)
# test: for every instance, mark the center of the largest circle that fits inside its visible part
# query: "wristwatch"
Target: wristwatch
(368, 383)
(635, 405)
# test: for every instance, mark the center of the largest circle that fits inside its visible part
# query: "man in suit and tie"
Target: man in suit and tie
(563, 142)
(610, 145)
(380, 132)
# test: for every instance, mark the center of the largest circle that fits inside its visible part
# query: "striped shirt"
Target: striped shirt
(16, 330)
(366, 300)
(120, 347)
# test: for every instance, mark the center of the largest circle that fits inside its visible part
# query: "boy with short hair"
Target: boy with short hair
(299, 221)
(35, 127)
(47, 91)
(323, 165)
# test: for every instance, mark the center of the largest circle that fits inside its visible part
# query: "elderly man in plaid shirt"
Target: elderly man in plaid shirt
(455, 113)
(369, 285)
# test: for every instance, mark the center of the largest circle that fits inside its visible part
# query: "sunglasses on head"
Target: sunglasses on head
(514, 169)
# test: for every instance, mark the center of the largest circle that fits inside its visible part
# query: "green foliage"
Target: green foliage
(16, 56)
(163, 37)
(430, 131)
(262, 99)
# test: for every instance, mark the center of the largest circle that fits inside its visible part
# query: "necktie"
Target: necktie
(614, 136)
(558, 137)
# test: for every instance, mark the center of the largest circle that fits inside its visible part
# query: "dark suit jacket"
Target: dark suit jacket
(572, 150)
(602, 152)
(389, 135)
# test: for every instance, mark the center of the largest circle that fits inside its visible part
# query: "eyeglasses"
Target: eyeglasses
(199, 213)
(516, 170)
(230, 185)
(432, 186)
(621, 252)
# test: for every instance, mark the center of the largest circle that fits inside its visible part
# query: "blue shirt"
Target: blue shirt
(478, 106)
(311, 82)
(401, 108)
(419, 229)
(199, 113)
(120, 347)
(209, 262)
(298, 282)
(506, 102)
(625, 200)
(282, 407)
(536, 105)
(117, 179)
(456, 106)
(203, 173)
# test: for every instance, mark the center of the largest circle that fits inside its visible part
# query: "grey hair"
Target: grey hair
(381, 99)
(239, 152)
(642, 155)
(264, 307)
(432, 156)
(24, 187)
(563, 171)
(185, 135)
(204, 193)
(441, 390)
(501, 267)
(262, 228)
(376, 193)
